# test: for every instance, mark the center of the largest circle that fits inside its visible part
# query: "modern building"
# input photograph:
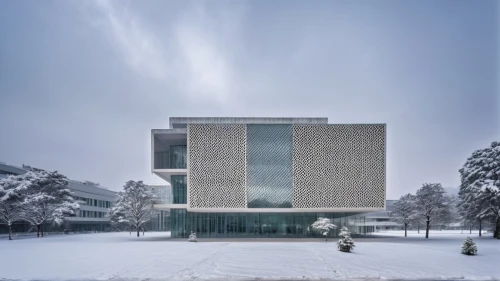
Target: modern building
(269, 177)
(92, 214)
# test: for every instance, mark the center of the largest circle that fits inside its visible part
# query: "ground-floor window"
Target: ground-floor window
(258, 224)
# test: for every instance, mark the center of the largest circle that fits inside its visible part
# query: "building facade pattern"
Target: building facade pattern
(339, 166)
(217, 166)
(303, 166)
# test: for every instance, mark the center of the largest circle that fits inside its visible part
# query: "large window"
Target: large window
(258, 224)
(269, 166)
(178, 156)
(179, 189)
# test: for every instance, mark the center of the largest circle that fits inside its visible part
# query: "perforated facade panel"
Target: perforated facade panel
(339, 166)
(248, 167)
(216, 166)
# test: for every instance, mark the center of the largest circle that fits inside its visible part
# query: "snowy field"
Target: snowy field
(118, 256)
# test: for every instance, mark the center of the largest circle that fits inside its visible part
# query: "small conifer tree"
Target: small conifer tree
(469, 247)
(192, 237)
(345, 243)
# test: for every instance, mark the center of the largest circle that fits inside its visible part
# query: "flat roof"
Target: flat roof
(181, 122)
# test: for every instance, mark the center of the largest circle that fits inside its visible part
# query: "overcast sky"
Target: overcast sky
(82, 83)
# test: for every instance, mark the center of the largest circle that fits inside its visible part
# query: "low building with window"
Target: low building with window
(381, 220)
(95, 201)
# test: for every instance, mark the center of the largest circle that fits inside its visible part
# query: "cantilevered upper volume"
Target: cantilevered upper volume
(271, 164)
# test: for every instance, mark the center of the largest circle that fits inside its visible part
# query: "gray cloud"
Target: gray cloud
(82, 83)
(195, 57)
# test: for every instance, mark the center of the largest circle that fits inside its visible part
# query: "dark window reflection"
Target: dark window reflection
(179, 189)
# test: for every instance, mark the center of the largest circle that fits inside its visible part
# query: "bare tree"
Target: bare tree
(448, 214)
(431, 203)
(417, 221)
(404, 211)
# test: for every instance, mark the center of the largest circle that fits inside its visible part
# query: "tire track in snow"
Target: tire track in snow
(190, 270)
(333, 272)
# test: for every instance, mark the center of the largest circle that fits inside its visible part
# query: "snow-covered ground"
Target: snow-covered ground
(433, 233)
(118, 256)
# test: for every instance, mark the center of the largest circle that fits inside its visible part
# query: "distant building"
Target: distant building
(380, 220)
(92, 214)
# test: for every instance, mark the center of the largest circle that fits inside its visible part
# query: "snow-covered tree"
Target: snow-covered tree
(469, 247)
(470, 205)
(345, 243)
(134, 206)
(492, 210)
(404, 211)
(431, 203)
(10, 201)
(323, 226)
(480, 186)
(449, 214)
(417, 221)
(46, 198)
(192, 237)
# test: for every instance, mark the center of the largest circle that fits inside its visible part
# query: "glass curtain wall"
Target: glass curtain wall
(178, 157)
(162, 160)
(160, 221)
(179, 189)
(269, 166)
(258, 224)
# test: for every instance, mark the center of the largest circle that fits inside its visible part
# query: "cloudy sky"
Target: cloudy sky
(82, 83)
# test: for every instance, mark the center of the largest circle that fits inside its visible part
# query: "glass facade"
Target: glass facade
(160, 221)
(163, 193)
(175, 158)
(269, 166)
(178, 157)
(258, 224)
(179, 189)
(162, 160)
